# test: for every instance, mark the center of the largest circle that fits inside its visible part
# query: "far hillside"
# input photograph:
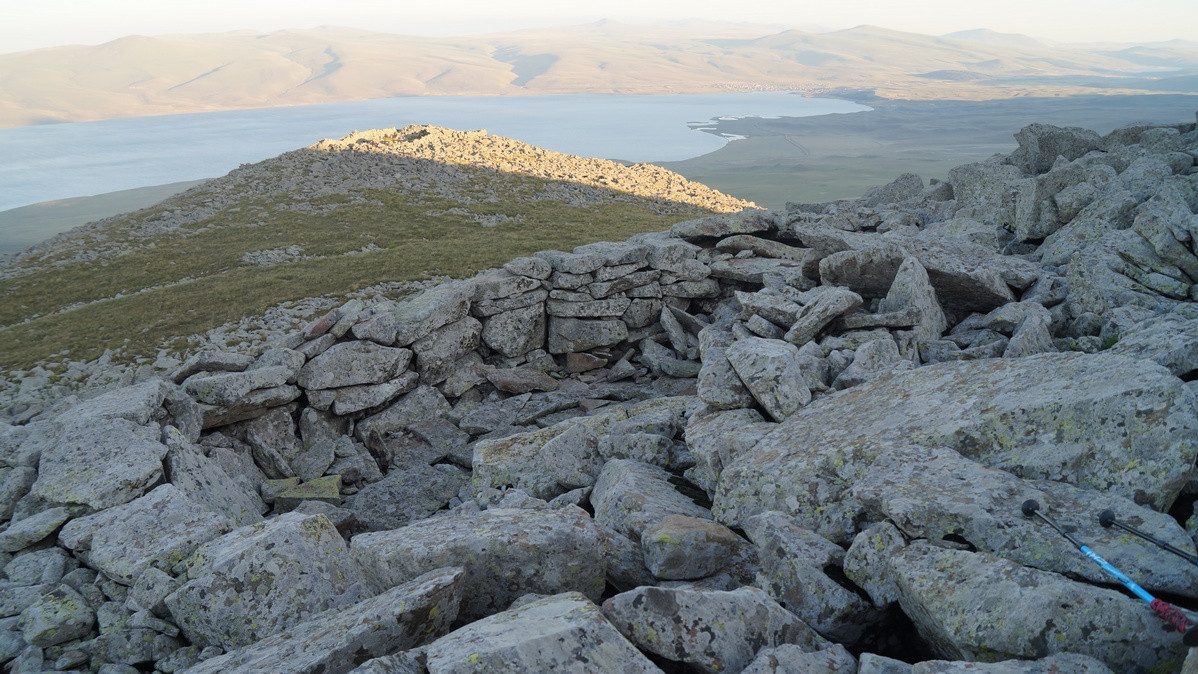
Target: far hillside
(142, 75)
(341, 215)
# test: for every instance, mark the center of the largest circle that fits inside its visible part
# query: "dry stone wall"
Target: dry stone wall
(761, 435)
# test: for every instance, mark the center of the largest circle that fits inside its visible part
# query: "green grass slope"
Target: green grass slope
(330, 219)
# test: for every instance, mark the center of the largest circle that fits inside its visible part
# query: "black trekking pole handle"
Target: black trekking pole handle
(1107, 517)
(1166, 611)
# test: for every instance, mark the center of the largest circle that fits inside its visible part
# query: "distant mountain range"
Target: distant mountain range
(136, 75)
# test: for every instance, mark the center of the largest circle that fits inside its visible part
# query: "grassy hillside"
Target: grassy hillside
(319, 222)
(139, 75)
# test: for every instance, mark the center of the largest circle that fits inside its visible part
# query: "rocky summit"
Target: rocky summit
(770, 441)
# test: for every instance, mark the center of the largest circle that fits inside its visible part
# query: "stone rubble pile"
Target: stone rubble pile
(765, 442)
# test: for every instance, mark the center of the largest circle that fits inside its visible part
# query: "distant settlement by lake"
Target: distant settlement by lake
(57, 161)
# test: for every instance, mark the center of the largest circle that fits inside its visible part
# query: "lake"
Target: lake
(56, 161)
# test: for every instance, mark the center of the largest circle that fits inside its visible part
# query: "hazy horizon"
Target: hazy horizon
(65, 22)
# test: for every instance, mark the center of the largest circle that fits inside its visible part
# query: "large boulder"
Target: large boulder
(156, 530)
(1097, 421)
(713, 631)
(934, 492)
(80, 466)
(770, 370)
(404, 495)
(561, 633)
(545, 463)
(263, 578)
(352, 363)
(337, 640)
(631, 496)
(974, 606)
(507, 552)
(793, 565)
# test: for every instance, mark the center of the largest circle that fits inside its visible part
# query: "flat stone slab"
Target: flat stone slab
(1102, 422)
(340, 639)
(711, 630)
(508, 553)
(81, 466)
(561, 633)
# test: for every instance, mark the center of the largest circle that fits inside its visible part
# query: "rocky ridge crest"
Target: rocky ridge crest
(416, 157)
(746, 443)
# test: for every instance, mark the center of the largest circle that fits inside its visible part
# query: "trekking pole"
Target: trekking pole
(1167, 612)
(1107, 517)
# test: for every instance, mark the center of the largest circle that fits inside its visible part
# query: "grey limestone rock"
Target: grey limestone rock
(150, 590)
(980, 188)
(350, 399)
(822, 305)
(1041, 144)
(769, 368)
(572, 263)
(273, 442)
(761, 247)
(507, 553)
(792, 659)
(718, 384)
(422, 404)
(80, 468)
(720, 226)
(254, 404)
(23, 532)
(545, 462)
(340, 639)
(230, 388)
(532, 267)
(770, 304)
(520, 379)
(58, 616)
(211, 360)
(871, 360)
(712, 631)
(755, 269)
(404, 495)
(156, 530)
(497, 284)
(1053, 664)
(912, 291)
(438, 352)
(352, 363)
(568, 335)
(260, 579)
(685, 548)
(630, 496)
(418, 316)
(1095, 421)
(715, 438)
(1028, 613)
(935, 492)
(516, 332)
(1170, 340)
(866, 562)
(793, 560)
(561, 633)
(205, 481)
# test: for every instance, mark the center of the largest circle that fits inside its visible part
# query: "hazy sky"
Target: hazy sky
(29, 24)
